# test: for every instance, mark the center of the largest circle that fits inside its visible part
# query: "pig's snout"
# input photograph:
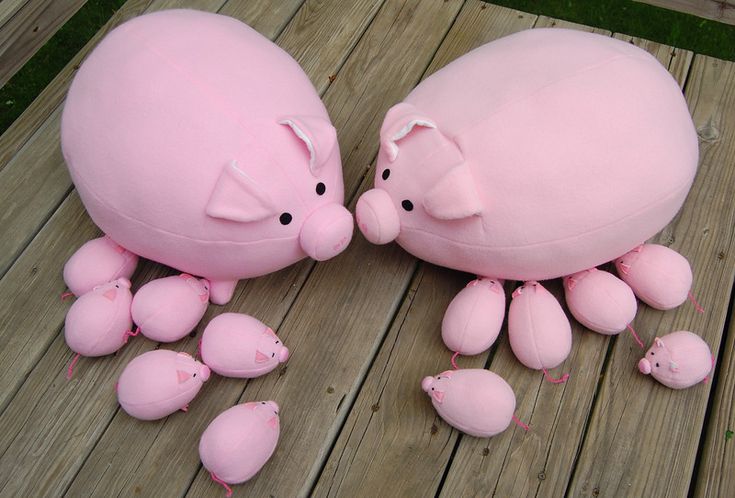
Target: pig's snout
(326, 232)
(427, 383)
(283, 355)
(377, 216)
(205, 372)
(644, 366)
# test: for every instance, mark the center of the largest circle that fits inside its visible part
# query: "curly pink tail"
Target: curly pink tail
(221, 483)
(551, 379)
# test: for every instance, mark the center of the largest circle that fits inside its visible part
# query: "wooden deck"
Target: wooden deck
(364, 328)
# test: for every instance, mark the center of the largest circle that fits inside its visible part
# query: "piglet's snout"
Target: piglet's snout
(377, 217)
(326, 232)
(644, 366)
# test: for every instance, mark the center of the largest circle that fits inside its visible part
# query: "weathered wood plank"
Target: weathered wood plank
(49, 99)
(539, 463)
(642, 437)
(150, 445)
(718, 456)
(28, 29)
(38, 271)
(392, 442)
(351, 300)
(718, 10)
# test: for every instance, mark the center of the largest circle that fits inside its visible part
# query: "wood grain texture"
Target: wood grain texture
(33, 117)
(642, 437)
(28, 29)
(393, 443)
(718, 10)
(717, 462)
(34, 279)
(540, 462)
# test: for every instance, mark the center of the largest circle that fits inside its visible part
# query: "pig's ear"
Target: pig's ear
(318, 135)
(237, 197)
(673, 366)
(438, 396)
(453, 196)
(269, 332)
(399, 122)
(658, 342)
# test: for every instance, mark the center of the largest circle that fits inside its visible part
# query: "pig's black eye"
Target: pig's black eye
(656, 364)
(285, 218)
(407, 205)
(651, 353)
(386, 174)
(320, 188)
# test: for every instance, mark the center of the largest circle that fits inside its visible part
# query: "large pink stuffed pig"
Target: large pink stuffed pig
(536, 156)
(196, 142)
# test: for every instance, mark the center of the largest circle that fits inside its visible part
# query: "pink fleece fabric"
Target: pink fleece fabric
(196, 142)
(532, 157)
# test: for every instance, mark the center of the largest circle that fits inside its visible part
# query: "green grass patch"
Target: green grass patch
(50, 59)
(702, 36)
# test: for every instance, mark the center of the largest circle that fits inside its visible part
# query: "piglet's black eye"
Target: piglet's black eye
(320, 188)
(657, 364)
(386, 174)
(407, 205)
(285, 218)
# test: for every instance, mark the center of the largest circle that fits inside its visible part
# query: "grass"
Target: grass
(701, 36)
(620, 16)
(45, 64)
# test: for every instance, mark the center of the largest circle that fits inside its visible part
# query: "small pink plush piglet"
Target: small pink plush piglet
(236, 444)
(678, 360)
(167, 309)
(238, 345)
(157, 383)
(96, 262)
(475, 401)
(99, 322)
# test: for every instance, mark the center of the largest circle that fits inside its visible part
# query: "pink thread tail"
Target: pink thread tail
(66, 295)
(519, 423)
(130, 333)
(695, 303)
(454, 360)
(221, 483)
(551, 379)
(635, 336)
(70, 370)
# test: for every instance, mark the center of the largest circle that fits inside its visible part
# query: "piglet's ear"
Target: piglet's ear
(658, 342)
(453, 196)
(673, 366)
(237, 197)
(269, 332)
(399, 122)
(318, 135)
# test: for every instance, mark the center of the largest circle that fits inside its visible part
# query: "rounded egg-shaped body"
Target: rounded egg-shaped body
(240, 440)
(238, 345)
(167, 309)
(160, 382)
(535, 156)
(196, 142)
(97, 322)
(475, 401)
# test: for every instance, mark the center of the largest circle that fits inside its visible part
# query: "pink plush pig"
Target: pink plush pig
(157, 383)
(98, 261)
(473, 319)
(660, 277)
(168, 308)
(537, 156)
(222, 166)
(238, 345)
(99, 322)
(475, 401)
(678, 360)
(236, 444)
(539, 332)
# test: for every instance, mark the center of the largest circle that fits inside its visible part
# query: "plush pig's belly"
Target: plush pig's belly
(572, 175)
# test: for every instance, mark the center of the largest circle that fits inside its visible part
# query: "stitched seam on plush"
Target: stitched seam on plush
(552, 241)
